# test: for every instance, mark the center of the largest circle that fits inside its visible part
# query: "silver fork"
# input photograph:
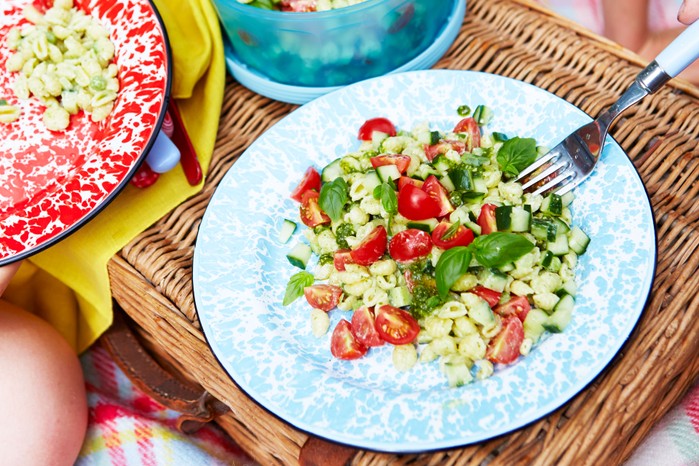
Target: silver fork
(573, 159)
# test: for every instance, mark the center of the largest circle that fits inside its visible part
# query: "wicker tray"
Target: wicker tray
(151, 277)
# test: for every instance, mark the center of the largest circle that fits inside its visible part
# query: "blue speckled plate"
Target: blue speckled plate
(240, 274)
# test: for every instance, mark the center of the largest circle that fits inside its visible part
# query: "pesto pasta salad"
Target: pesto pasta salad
(426, 243)
(65, 58)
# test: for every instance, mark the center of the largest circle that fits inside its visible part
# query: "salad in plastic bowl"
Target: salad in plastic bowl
(426, 238)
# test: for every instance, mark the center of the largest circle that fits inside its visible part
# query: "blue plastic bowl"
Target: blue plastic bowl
(336, 47)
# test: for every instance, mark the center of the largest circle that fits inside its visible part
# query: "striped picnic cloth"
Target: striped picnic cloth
(128, 428)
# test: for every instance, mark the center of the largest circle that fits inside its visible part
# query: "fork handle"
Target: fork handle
(681, 52)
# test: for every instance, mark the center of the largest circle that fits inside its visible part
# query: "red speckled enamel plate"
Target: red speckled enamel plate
(51, 183)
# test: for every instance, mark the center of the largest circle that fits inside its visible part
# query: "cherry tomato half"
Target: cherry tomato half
(403, 180)
(382, 125)
(364, 328)
(310, 180)
(399, 160)
(486, 219)
(341, 258)
(343, 344)
(409, 245)
(434, 188)
(491, 296)
(323, 297)
(433, 150)
(461, 237)
(469, 126)
(504, 347)
(395, 325)
(310, 212)
(416, 204)
(371, 248)
(517, 305)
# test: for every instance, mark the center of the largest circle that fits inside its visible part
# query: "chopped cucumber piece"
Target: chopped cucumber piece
(510, 218)
(480, 185)
(562, 313)
(300, 255)
(552, 205)
(568, 198)
(543, 230)
(388, 172)
(458, 373)
(288, 228)
(503, 217)
(400, 296)
(551, 262)
(425, 225)
(559, 247)
(331, 171)
(578, 240)
(473, 226)
(447, 183)
(568, 287)
(482, 115)
(534, 324)
(493, 279)
(482, 314)
(371, 180)
(441, 163)
(462, 179)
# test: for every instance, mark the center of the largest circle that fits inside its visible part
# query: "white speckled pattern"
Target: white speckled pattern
(240, 274)
(52, 182)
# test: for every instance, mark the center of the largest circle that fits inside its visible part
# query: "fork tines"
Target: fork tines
(540, 174)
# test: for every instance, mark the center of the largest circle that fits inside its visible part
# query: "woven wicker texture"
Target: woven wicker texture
(151, 277)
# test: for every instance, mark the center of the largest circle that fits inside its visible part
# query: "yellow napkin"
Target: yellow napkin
(68, 284)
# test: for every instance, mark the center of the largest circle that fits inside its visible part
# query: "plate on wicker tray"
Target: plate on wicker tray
(240, 274)
(53, 179)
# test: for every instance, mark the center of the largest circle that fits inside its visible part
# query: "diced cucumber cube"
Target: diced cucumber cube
(400, 296)
(562, 313)
(462, 179)
(425, 225)
(568, 198)
(482, 314)
(578, 240)
(441, 163)
(568, 287)
(288, 228)
(300, 255)
(458, 373)
(371, 181)
(520, 220)
(543, 230)
(534, 324)
(559, 247)
(552, 205)
(331, 171)
(493, 279)
(503, 217)
(447, 183)
(388, 172)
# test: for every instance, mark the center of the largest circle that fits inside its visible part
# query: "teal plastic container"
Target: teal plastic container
(336, 47)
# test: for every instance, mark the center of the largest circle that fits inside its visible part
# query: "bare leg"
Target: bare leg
(43, 409)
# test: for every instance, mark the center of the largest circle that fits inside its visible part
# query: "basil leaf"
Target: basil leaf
(452, 264)
(333, 196)
(500, 248)
(294, 289)
(388, 197)
(516, 154)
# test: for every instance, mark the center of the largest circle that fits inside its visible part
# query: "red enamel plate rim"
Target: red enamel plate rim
(51, 183)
